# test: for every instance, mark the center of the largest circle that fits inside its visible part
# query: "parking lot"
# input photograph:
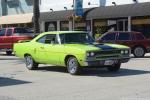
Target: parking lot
(54, 83)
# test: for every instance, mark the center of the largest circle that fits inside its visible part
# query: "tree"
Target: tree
(36, 14)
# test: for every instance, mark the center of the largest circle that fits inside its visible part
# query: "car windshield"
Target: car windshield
(76, 38)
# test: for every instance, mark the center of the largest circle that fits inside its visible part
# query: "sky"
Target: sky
(60, 4)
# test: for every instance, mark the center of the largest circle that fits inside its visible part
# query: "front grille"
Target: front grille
(107, 56)
(108, 52)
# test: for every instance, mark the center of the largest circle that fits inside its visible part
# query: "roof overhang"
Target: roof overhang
(16, 19)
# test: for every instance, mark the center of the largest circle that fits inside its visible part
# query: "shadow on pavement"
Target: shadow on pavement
(53, 69)
(101, 72)
(9, 82)
(105, 73)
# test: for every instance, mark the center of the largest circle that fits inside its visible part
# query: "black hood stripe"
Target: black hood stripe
(104, 47)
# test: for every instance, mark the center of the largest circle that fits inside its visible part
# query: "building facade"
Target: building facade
(97, 18)
(16, 13)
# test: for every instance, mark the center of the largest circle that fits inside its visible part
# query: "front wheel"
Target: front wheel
(73, 66)
(30, 63)
(115, 67)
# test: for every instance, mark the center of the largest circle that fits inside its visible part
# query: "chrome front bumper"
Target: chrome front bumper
(103, 62)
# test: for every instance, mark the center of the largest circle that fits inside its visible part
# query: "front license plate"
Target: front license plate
(109, 62)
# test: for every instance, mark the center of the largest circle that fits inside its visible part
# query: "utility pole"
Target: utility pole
(73, 19)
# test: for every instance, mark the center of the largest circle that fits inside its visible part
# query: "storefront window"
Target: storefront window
(50, 26)
(80, 26)
(64, 26)
(100, 27)
(141, 25)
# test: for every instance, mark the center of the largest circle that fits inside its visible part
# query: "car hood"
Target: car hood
(94, 47)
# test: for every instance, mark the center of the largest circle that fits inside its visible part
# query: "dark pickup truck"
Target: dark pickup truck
(135, 40)
(9, 36)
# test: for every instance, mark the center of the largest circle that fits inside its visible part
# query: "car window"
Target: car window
(2, 32)
(124, 36)
(23, 32)
(42, 39)
(48, 39)
(139, 37)
(109, 37)
(76, 38)
(9, 32)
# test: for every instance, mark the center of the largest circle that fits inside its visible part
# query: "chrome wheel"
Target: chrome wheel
(30, 63)
(139, 52)
(72, 65)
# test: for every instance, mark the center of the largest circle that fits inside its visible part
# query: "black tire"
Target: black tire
(73, 66)
(114, 68)
(30, 63)
(139, 52)
(8, 52)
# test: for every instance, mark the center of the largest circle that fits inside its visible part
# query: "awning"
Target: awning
(120, 11)
(16, 19)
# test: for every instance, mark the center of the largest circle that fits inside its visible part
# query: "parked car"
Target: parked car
(72, 49)
(135, 40)
(9, 36)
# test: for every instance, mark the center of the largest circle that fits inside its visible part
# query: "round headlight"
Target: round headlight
(126, 51)
(92, 54)
(122, 51)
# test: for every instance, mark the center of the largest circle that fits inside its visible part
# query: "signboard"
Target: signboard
(102, 2)
(78, 7)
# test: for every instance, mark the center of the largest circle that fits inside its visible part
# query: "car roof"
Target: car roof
(123, 31)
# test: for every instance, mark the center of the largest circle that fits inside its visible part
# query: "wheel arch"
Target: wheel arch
(27, 54)
(139, 46)
(67, 57)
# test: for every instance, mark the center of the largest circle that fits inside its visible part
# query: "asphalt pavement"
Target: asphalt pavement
(54, 83)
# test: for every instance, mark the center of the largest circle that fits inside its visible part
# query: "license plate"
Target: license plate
(109, 62)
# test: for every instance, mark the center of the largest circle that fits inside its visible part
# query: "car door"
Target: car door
(47, 49)
(2, 39)
(108, 38)
(53, 49)
(39, 50)
(124, 38)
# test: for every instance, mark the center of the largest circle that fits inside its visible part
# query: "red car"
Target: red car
(9, 36)
(135, 40)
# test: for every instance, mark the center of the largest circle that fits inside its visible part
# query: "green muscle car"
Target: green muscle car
(73, 49)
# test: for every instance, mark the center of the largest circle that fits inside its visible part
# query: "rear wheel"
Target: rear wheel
(73, 66)
(30, 63)
(115, 67)
(8, 52)
(139, 51)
